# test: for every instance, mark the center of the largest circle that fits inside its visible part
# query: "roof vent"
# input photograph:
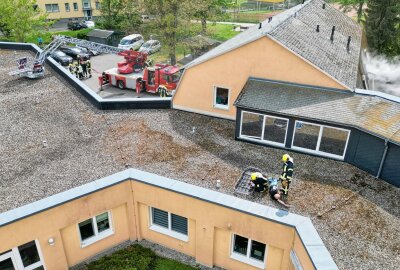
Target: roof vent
(333, 33)
(317, 27)
(348, 43)
(259, 27)
(269, 19)
(323, 6)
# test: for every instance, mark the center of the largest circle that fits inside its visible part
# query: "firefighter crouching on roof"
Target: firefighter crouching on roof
(259, 181)
(287, 173)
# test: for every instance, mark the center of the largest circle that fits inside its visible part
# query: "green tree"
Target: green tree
(354, 4)
(119, 15)
(170, 17)
(382, 26)
(20, 19)
(206, 10)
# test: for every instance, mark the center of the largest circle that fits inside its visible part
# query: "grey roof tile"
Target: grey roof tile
(373, 114)
(295, 29)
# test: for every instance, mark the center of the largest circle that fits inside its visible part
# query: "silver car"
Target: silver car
(150, 46)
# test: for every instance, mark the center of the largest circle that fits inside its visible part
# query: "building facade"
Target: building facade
(216, 229)
(69, 9)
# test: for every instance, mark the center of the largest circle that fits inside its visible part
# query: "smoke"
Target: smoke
(385, 73)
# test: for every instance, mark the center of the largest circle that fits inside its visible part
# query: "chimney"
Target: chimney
(323, 6)
(317, 27)
(269, 19)
(348, 43)
(333, 33)
(259, 27)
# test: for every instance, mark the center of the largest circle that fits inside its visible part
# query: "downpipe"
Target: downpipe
(383, 159)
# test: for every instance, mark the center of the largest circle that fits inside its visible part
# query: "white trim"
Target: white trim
(317, 151)
(97, 235)
(16, 259)
(219, 106)
(295, 261)
(305, 60)
(167, 231)
(246, 258)
(187, 109)
(9, 255)
(261, 140)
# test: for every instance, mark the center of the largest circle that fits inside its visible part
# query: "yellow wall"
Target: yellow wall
(263, 58)
(210, 228)
(63, 14)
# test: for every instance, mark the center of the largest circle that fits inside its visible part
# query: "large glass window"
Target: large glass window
(29, 253)
(319, 139)
(221, 98)
(25, 256)
(248, 251)
(169, 223)
(52, 8)
(252, 124)
(266, 128)
(306, 135)
(95, 228)
(275, 129)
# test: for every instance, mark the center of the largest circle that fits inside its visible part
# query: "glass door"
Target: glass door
(7, 261)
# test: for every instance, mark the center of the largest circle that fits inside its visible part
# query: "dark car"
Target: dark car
(74, 25)
(61, 58)
(74, 52)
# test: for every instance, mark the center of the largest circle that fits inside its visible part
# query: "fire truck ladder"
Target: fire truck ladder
(33, 68)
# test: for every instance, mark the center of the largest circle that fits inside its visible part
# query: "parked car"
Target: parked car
(151, 46)
(89, 51)
(74, 52)
(62, 58)
(74, 25)
(131, 42)
(87, 24)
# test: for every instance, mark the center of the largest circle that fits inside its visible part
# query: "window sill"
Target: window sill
(258, 140)
(246, 260)
(221, 107)
(173, 234)
(318, 153)
(96, 238)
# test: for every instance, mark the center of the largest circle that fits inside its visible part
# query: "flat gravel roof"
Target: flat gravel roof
(85, 144)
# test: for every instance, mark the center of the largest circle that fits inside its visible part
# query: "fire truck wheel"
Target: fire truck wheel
(121, 85)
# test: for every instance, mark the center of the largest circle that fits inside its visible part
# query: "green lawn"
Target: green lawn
(136, 257)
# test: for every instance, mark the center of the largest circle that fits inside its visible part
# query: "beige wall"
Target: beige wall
(263, 58)
(210, 228)
(63, 14)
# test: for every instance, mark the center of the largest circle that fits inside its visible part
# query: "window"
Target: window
(76, 6)
(97, 3)
(248, 251)
(268, 129)
(95, 229)
(52, 8)
(169, 223)
(26, 256)
(86, 5)
(221, 98)
(67, 9)
(320, 139)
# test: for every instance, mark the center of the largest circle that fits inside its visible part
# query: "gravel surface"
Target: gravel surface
(85, 144)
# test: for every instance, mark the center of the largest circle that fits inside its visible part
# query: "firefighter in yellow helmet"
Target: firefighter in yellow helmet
(259, 181)
(287, 173)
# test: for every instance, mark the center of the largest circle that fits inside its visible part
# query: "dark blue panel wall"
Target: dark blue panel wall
(368, 153)
(391, 168)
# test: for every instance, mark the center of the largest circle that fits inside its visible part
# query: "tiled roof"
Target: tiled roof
(295, 29)
(372, 114)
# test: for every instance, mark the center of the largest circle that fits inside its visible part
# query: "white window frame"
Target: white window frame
(97, 236)
(317, 151)
(52, 8)
(295, 261)
(169, 231)
(255, 139)
(67, 7)
(17, 260)
(247, 259)
(219, 106)
(76, 6)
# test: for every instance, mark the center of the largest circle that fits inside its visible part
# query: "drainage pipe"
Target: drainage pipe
(383, 159)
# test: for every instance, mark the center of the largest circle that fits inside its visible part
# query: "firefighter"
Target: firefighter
(287, 173)
(259, 181)
(71, 68)
(80, 71)
(84, 67)
(163, 91)
(89, 68)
